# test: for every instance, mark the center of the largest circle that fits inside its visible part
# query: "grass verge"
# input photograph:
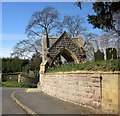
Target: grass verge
(107, 65)
(16, 84)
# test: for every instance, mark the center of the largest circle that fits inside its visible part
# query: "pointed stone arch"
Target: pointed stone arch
(68, 55)
(68, 48)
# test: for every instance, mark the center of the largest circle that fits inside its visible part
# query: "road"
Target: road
(9, 106)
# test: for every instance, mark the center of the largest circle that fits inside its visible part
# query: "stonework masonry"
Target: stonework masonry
(91, 89)
(62, 49)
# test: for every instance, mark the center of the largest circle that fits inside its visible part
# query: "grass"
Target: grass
(7, 82)
(107, 65)
(16, 84)
(10, 84)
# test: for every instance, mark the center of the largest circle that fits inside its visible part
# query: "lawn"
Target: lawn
(16, 84)
(106, 65)
(11, 84)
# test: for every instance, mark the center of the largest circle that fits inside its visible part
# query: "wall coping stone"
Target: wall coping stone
(85, 72)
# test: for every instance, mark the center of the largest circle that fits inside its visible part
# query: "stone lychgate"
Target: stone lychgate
(66, 47)
(71, 49)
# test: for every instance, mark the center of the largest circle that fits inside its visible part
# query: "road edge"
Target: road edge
(23, 106)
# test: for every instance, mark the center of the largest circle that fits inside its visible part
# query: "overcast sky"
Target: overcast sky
(16, 15)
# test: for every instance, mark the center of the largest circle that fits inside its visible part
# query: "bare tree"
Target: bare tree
(94, 42)
(43, 22)
(109, 40)
(91, 45)
(72, 25)
(27, 47)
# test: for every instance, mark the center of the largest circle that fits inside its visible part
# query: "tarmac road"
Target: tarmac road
(8, 104)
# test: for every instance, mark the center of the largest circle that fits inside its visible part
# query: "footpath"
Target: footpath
(41, 103)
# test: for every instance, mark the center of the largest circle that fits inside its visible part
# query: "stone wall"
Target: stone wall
(23, 79)
(12, 77)
(0, 77)
(110, 92)
(94, 90)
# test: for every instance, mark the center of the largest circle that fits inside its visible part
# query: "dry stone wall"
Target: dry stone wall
(90, 89)
(110, 92)
(83, 90)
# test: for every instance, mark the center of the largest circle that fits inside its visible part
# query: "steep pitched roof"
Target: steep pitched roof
(77, 40)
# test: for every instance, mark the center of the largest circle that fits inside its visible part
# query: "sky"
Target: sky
(16, 15)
